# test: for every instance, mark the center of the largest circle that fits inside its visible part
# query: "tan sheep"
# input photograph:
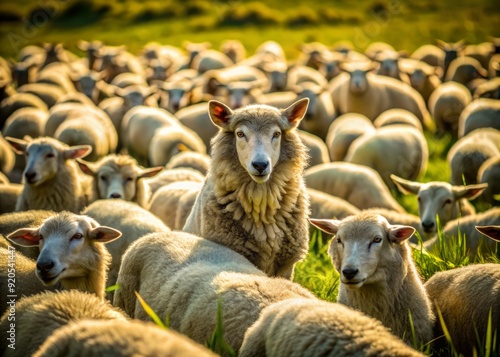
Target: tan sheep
(464, 70)
(196, 118)
(309, 328)
(7, 157)
(423, 77)
(183, 277)
(377, 274)
(173, 175)
(191, 160)
(447, 103)
(489, 173)
(397, 117)
(481, 113)
(325, 206)
(389, 61)
(234, 49)
(451, 52)
(254, 194)
(17, 101)
(359, 185)
(48, 93)
(317, 150)
(399, 218)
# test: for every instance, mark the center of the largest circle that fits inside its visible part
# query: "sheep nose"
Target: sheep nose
(260, 165)
(30, 176)
(44, 266)
(115, 195)
(350, 273)
(428, 225)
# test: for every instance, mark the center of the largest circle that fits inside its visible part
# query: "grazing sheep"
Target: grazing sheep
(117, 338)
(451, 52)
(399, 218)
(38, 316)
(309, 328)
(233, 49)
(343, 131)
(254, 194)
(209, 59)
(113, 60)
(395, 149)
(9, 194)
(464, 70)
(481, 52)
(465, 296)
(440, 198)
(187, 276)
(468, 154)
(128, 218)
(370, 94)
(325, 206)
(377, 274)
(7, 158)
(397, 117)
(190, 159)
(17, 101)
(71, 251)
(423, 77)
(119, 176)
(91, 49)
(481, 113)
(375, 48)
(51, 178)
(359, 185)
(173, 175)
(446, 104)
(489, 89)
(48, 93)
(489, 173)
(196, 118)
(316, 148)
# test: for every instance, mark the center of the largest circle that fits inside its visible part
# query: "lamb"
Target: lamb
(303, 327)
(71, 251)
(51, 177)
(440, 198)
(465, 69)
(396, 117)
(394, 149)
(489, 173)
(344, 131)
(468, 154)
(119, 176)
(465, 296)
(377, 274)
(17, 101)
(38, 316)
(369, 94)
(481, 113)
(254, 194)
(359, 185)
(116, 338)
(190, 159)
(446, 104)
(187, 275)
(316, 148)
(173, 175)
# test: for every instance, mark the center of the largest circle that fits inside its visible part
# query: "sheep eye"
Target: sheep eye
(240, 134)
(130, 179)
(276, 134)
(339, 240)
(419, 199)
(377, 240)
(49, 155)
(103, 178)
(40, 237)
(447, 202)
(77, 236)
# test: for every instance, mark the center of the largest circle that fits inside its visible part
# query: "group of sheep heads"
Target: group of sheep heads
(258, 142)
(62, 240)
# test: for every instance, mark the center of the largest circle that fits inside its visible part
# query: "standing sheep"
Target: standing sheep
(254, 198)
(489, 173)
(190, 159)
(316, 148)
(451, 51)
(196, 118)
(446, 104)
(9, 194)
(397, 117)
(464, 70)
(481, 113)
(378, 275)
(7, 157)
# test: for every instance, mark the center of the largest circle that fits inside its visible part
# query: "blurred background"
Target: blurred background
(403, 23)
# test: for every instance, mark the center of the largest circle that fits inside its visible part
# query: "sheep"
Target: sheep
(173, 203)
(4, 179)
(91, 49)
(119, 176)
(489, 173)
(389, 65)
(17, 101)
(187, 276)
(116, 338)
(71, 251)
(482, 52)
(475, 242)
(344, 131)
(451, 52)
(128, 218)
(325, 206)
(196, 118)
(209, 59)
(446, 104)
(395, 149)
(375, 48)
(38, 316)
(488, 89)
(175, 94)
(304, 327)
(396, 117)
(377, 274)
(233, 49)
(468, 154)
(241, 93)
(369, 94)
(254, 191)
(173, 175)
(359, 185)
(301, 74)
(126, 79)
(115, 60)
(430, 54)
(48, 93)
(423, 78)
(7, 158)
(465, 69)
(52, 180)
(190, 159)
(318, 152)
(440, 199)
(465, 297)
(89, 84)
(56, 78)
(494, 66)
(9, 194)
(481, 113)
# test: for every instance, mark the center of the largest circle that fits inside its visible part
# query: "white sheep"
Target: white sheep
(316, 148)
(377, 274)
(183, 276)
(52, 180)
(389, 61)
(17, 101)
(359, 185)
(38, 316)
(465, 69)
(71, 251)
(7, 157)
(9, 195)
(234, 49)
(343, 131)
(395, 149)
(481, 113)
(489, 173)
(400, 218)
(254, 194)
(447, 103)
(196, 118)
(325, 206)
(210, 59)
(190, 159)
(48, 93)
(488, 89)
(173, 175)
(464, 297)
(451, 52)
(396, 117)
(440, 199)
(423, 77)
(119, 176)
(117, 338)
(309, 328)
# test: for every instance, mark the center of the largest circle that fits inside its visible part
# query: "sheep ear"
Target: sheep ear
(220, 114)
(86, 167)
(492, 232)
(295, 112)
(469, 192)
(25, 237)
(76, 152)
(83, 45)
(104, 234)
(330, 226)
(406, 186)
(17, 145)
(441, 44)
(398, 234)
(149, 172)
(182, 147)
